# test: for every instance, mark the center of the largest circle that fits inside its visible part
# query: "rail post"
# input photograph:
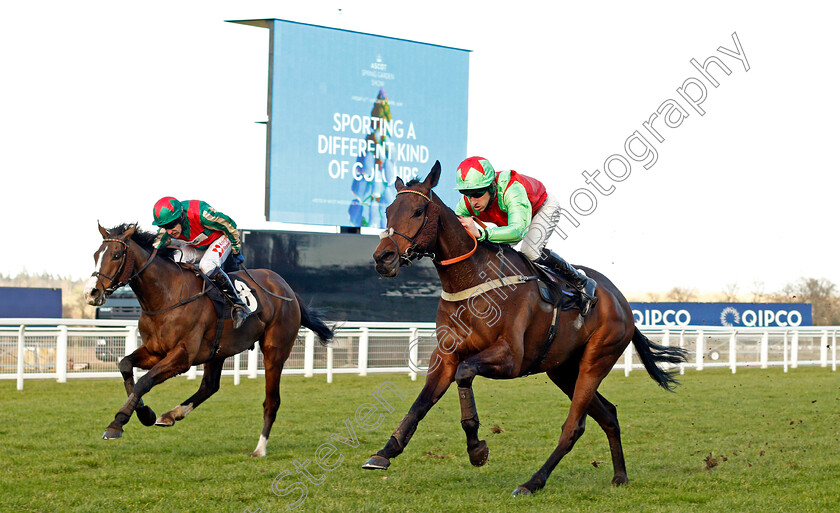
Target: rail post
(364, 346)
(237, 371)
(329, 364)
(61, 355)
(824, 349)
(20, 349)
(765, 349)
(785, 352)
(699, 349)
(733, 344)
(309, 354)
(412, 352)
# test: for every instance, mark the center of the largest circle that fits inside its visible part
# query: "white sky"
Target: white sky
(107, 106)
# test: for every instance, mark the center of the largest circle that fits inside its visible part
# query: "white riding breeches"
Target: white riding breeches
(541, 227)
(208, 260)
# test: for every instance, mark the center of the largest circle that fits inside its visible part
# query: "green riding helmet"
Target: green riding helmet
(475, 173)
(166, 210)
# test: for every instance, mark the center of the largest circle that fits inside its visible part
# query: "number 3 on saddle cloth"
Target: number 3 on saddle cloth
(221, 303)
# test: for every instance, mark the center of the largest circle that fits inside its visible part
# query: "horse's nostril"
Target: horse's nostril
(387, 256)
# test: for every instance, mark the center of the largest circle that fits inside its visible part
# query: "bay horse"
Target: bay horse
(178, 326)
(512, 338)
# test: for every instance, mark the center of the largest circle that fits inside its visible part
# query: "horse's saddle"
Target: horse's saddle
(224, 308)
(554, 290)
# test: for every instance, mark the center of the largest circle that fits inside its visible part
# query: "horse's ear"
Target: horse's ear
(103, 231)
(433, 177)
(128, 233)
(398, 183)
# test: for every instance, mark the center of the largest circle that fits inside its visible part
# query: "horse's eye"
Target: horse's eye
(418, 212)
(117, 255)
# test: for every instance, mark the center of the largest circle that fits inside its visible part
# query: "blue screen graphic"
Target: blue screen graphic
(351, 112)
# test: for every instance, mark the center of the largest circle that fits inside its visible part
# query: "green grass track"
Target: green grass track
(757, 441)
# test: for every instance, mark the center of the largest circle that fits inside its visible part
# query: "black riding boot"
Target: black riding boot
(580, 281)
(239, 312)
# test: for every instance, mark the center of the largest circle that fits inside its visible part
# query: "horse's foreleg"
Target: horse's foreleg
(209, 386)
(496, 362)
(143, 359)
(174, 363)
(437, 382)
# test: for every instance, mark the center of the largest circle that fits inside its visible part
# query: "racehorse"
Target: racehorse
(507, 334)
(178, 326)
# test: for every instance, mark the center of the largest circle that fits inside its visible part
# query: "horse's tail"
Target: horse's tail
(652, 354)
(311, 318)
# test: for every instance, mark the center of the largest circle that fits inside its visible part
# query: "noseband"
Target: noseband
(411, 252)
(123, 275)
(423, 234)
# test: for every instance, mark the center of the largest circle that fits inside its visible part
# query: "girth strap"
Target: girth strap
(552, 332)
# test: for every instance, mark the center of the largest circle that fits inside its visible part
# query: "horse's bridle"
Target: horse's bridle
(124, 275)
(412, 252)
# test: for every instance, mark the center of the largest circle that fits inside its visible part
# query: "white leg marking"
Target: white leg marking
(259, 452)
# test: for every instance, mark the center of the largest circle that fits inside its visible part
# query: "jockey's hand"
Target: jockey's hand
(469, 225)
(238, 259)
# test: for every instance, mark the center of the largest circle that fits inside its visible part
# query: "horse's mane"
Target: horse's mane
(143, 238)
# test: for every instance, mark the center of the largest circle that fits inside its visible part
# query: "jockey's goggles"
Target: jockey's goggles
(172, 225)
(475, 193)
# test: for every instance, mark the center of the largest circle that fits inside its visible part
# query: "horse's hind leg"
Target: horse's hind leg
(142, 359)
(209, 386)
(594, 366)
(274, 357)
(604, 414)
(174, 363)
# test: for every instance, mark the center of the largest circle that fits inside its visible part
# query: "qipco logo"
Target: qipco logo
(767, 318)
(653, 317)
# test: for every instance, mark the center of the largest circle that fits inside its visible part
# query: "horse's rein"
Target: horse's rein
(409, 252)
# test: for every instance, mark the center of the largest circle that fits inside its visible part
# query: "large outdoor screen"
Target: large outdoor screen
(349, 112)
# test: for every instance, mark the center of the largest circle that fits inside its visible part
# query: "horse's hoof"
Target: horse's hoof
(111, 434)
(146, 416)
(377, 462)
(619, 480)
(479, 454)
(165, 421)
(521, 490)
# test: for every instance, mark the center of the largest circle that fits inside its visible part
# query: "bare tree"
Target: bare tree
(729, 293)
(681, 294)
(822, 294)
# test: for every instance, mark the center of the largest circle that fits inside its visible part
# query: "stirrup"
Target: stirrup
(587, 300)
(586, 303)
(238, 315)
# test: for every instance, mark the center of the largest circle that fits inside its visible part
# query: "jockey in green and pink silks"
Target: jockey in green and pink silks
(203, 235)
(521, 210)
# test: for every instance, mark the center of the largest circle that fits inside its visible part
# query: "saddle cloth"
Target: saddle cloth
(220, 302)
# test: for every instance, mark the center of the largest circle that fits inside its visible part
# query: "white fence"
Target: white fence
(81, 348)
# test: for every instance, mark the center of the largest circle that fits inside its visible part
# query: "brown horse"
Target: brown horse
(506, 332)
(179, 326)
